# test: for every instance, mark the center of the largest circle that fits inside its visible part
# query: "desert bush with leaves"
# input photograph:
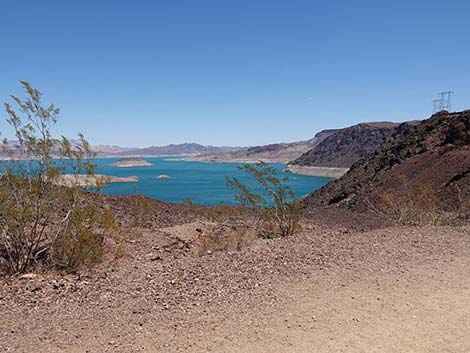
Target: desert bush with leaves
(275, 208)
(43, 224)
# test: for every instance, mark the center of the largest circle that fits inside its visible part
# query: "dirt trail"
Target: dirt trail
(326, 290)
(426, 310)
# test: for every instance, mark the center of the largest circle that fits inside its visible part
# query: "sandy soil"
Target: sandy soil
(328, 289)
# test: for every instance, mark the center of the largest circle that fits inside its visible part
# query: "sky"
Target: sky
(240, 72)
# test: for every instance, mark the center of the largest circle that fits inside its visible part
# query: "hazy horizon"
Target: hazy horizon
(233, 74)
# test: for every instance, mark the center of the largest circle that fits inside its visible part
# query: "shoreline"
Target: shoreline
(313, 171)
(233, 160)
(328, 172)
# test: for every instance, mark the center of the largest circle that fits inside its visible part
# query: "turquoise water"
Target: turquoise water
(203, 183)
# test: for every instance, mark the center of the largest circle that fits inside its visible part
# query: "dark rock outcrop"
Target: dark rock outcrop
(345, 147)
(434, 153)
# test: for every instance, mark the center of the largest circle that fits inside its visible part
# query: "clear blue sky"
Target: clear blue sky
(234, 72)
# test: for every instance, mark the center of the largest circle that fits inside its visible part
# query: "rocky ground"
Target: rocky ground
(335, 287)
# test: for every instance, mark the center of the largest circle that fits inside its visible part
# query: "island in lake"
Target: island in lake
(92, 180)
(132, 162)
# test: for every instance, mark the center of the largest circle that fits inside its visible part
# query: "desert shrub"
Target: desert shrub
(223, 214)
(412, 206)
(187, 201)
(275, 207)
(224, 238)
(463, 198)
(407, 209)
(43, 224)
(141, 209)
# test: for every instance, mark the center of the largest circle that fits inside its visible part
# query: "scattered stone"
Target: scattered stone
(28, 276)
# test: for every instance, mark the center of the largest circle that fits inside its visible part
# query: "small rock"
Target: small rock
(28, 276)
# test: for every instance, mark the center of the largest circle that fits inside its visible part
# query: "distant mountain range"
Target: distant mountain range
(184, 149)
(277, 152)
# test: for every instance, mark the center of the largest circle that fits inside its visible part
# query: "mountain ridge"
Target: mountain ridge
(343, 148)
(433, 153)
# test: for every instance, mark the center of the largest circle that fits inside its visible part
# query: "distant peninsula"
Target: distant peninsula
(92, 180)
(131, 162)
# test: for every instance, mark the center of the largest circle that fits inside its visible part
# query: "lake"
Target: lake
(203, 183)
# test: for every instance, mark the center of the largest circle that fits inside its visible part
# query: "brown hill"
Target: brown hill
(347, 146)
(432, 154)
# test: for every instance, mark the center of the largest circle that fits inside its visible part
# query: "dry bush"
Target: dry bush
(186, 201)
(141, 208)
(463, 204)
(420, 206)
(223, 214)
(120, 251)
(417, 207)
(224, 238)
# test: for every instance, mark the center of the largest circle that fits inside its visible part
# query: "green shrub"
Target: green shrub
(279, 212)
(43, 224)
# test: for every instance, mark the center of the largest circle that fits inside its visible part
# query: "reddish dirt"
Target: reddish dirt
(329, 289)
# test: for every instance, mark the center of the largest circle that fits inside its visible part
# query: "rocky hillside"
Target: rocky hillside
(433, 154)
(279, 152)
(346, 146)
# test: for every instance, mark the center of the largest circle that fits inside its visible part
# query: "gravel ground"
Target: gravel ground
(160, 297)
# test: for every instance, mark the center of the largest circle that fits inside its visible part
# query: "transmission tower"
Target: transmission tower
(444, 102)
